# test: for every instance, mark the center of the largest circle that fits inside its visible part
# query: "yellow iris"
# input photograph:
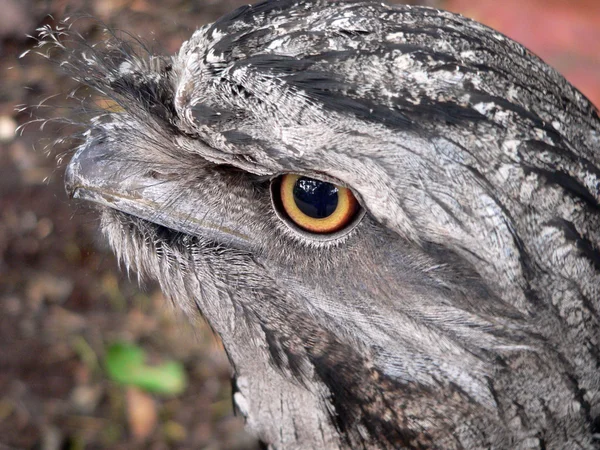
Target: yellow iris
(342, 214)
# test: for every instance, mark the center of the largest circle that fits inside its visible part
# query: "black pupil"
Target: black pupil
(316, 199)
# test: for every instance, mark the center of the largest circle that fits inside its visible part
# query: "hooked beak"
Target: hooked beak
(96, 174)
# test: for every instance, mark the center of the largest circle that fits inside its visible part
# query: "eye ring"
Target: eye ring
(316, 209)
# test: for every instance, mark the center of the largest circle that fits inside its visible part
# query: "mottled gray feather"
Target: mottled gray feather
(463, 310)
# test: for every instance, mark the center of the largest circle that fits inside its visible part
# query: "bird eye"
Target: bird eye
(316, 206)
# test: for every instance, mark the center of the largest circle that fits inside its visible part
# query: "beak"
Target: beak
(97, 174)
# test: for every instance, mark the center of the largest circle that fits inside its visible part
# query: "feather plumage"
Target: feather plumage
(463, 310)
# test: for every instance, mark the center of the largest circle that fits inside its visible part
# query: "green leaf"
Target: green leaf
(126, 364)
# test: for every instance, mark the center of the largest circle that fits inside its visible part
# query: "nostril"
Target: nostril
(154, 174)
(71, 179)
(163, 176)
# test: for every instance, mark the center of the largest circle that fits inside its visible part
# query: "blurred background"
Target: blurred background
(70, 321)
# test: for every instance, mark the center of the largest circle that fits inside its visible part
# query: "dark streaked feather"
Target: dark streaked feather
(462, 312)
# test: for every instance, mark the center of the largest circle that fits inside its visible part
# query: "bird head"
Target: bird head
(389, 214)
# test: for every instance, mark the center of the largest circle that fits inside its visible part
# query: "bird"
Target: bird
(389, 214)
